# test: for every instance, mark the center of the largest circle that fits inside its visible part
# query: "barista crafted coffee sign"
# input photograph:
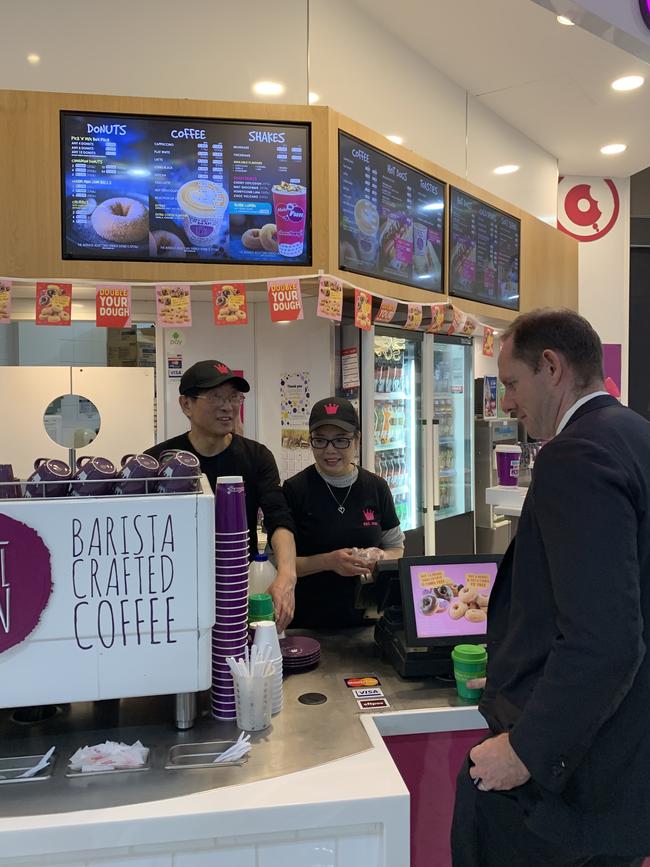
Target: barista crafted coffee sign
(25, 581)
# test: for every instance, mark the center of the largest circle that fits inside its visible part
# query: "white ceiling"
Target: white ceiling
(550, 81)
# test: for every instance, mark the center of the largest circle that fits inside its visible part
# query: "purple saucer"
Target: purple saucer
(299, 647)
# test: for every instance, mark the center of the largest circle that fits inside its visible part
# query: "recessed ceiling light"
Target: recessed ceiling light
(562, 19)
(396, 139)
(628, 82)
(506, 170)
(313, 97)
(33, 59)
(268, 88)
(613, 149)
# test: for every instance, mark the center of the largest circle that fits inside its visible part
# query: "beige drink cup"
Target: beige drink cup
(203, 204)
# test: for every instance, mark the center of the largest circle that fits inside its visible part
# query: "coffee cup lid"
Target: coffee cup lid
(469, 653)
(510, 449)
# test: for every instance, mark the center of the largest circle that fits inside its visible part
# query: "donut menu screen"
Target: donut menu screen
(391, 217)
(483, 252)
(184, 189)
(449, 599)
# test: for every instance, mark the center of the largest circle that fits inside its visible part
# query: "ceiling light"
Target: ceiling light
(33, 59)
(506, 170)
(268, 88)
(313, 97)
(613, 149)
(562, 19)
(628, 82)
(396, 139)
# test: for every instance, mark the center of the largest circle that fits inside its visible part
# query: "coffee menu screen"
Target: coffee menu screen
(179, 189)
(483, 252)
(391, 217)
(451, 600)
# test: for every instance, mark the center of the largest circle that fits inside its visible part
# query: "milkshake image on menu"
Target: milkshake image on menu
(290, 210)
(366, 218)
(203, 204)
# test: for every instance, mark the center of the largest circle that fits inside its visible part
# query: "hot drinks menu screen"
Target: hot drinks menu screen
(148, 188)
(391, 217)
(483, 252)
(452, 600)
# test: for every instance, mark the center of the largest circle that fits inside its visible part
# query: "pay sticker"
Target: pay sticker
(372, 703)
(367, 693)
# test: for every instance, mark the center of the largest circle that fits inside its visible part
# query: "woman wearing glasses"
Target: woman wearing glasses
(211, 395)
(337, 507)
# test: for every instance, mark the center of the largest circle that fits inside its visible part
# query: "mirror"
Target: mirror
(72, 421)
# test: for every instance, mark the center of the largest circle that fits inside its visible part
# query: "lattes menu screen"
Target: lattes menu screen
(483, 252)
(150, 188)
(391, 217)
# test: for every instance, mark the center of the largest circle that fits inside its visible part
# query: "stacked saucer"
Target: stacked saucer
(299, 653)
(230, 631)
(266, 635)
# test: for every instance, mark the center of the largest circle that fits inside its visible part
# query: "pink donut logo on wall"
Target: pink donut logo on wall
(25, 581)
(587, 208)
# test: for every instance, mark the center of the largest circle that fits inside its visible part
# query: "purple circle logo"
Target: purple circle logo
(644, 6)
(25, 581)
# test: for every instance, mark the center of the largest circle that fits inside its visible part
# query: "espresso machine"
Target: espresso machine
(492, 531)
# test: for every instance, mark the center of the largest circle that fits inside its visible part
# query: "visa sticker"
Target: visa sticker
(372, 703)
(360, 682)
(368, 692)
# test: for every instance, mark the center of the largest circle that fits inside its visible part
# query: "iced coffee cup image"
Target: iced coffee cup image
(366, 218)
(203, 205)
(290, 210)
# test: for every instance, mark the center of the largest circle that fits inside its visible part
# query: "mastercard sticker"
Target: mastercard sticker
(359, 682)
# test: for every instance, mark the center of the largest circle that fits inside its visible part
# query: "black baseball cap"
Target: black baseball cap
(334, 410)
(210, 374)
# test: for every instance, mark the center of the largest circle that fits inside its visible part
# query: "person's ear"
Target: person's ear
(184, 403)
(554, 364)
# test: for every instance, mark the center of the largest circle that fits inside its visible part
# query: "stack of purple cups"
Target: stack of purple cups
(230, 631)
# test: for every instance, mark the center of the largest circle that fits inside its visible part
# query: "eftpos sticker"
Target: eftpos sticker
(372, 703)
(360, 682)
(371, 692)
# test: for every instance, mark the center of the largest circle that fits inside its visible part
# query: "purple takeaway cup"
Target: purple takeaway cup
(95, 477)
(136, 469)
(508, 457)
(8, 491)
(48, 470)
(230, 505)
(179, 473)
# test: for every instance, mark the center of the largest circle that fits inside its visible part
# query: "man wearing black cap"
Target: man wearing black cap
(211, 395)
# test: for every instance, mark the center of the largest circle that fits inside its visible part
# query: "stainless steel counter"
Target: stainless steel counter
(300, 737)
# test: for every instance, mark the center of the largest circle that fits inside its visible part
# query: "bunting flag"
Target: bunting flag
(362, 309)
(113, 306)
(285, 300)
(53, 303)
(438, 312)
(5, 302)
(173, 305)
(386, 311)
(229, 304)
(330, 298)
(413, 316)
(488, 342)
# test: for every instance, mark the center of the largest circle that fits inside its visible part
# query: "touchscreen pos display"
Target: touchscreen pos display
(445, 599)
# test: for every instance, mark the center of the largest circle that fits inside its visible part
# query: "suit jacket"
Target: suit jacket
(568, 630)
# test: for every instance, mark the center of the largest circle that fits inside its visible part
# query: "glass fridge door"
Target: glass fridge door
(397, 420)
(452, 406)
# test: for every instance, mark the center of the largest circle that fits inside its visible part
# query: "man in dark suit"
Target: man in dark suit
(564, 777)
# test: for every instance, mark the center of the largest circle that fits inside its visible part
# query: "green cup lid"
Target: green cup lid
(469, 653)
(260, 602)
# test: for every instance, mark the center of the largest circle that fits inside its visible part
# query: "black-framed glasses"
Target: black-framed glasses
(337, 442)
(220, 402)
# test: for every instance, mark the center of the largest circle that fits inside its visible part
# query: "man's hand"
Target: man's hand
(344, 562)
(497, 766)
(283, 594)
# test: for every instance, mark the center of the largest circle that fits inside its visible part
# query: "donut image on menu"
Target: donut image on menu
(165, 244)
(122, 220)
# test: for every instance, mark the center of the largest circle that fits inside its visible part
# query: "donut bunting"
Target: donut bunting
(53, 303)
(229, 303)
(173, 305)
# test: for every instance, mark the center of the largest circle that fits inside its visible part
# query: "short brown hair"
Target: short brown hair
(563, 331)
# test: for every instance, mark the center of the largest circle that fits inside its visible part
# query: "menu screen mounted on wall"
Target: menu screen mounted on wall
(483, 252)
(184, 189)
(391, 217)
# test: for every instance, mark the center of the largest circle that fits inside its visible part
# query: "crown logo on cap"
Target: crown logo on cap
(368, 514)
(331, 408)
(222, 368)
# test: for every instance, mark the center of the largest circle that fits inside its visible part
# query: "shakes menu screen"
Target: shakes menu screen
(483, 252)
(182, 189)
(391, 217)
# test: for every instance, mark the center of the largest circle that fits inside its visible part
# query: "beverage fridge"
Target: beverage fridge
(414, 392)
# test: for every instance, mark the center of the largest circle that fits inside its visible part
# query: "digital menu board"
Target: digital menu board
(483, 252)
(391, 217)
(185, 189)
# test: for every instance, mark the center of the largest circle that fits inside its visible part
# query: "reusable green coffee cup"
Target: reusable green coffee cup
(470, 661)
(260, 607)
